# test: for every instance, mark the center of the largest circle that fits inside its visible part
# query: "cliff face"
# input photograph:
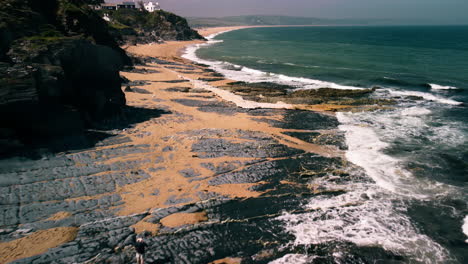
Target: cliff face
(137, 26)
(59, 70)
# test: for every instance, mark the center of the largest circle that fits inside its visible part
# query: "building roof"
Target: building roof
(128, 3)
(108, 4)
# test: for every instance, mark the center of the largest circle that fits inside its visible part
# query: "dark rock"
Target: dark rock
(414, 98)
(174, 200)
(254, 89)
(202, 65)
(189, 173)
(254, 173)
(294, 119)
(217, 74)
(167, 149)
(330, 93)
(271, 93)
(174, 81)
(179, 89)
(141, 70)
(138, 83)
(222, 167)
(187, 68)
(141, 91)
(210, 79)
(124, 80)
(212, 148)
(336, 139)
(220, 107)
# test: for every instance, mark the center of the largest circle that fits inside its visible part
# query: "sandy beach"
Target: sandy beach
(194, 145)
(172, 49)
(199, 120)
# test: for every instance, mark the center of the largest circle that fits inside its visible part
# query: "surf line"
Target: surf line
(236, 99)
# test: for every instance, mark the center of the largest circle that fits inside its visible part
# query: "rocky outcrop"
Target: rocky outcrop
(59, 70)
(271, 93)
(137, 26)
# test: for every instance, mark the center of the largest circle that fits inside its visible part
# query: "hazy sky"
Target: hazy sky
(429, 11)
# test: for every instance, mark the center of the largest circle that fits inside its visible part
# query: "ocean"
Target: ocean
(410, 196)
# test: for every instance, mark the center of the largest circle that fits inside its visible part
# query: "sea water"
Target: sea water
(409, 195)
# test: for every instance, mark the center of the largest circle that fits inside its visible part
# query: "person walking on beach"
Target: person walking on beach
(140, 247)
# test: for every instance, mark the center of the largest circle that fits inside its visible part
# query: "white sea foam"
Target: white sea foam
(237, 99)
(415, 111)
(294, 258)
(241, 73)
(441, 87)
(365, 220)
(365, 149)
(465, 227)
(365, 215)
(426, 96)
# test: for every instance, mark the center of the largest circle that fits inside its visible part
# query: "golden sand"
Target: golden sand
(180, 219)
(170, 183)
(36, 243)
(227, 261)
(142, 226)
(59, 216)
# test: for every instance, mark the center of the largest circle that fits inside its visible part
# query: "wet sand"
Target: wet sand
(197, 145)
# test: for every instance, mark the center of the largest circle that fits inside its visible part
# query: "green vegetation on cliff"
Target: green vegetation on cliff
(142, 26)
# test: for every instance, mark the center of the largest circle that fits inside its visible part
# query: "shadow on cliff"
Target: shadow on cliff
(70, 136)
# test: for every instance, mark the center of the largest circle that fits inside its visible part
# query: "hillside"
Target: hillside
(137, 26)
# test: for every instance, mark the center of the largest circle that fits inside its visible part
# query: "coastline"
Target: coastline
(190, 149)
(174, 50)
(211, 174)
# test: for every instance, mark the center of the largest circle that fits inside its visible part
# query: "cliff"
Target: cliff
(135, 26)
(59, 70)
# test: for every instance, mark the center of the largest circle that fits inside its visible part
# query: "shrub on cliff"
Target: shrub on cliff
(152, 26)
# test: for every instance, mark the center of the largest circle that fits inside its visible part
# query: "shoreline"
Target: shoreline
(174, 50)
(187, 150)
(197, 162)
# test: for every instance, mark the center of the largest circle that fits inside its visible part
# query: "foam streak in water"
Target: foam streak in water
(294, 258)
(441, 87)
(365, 149)
(465, 227)
(241, 73)
(237, 99)
(426, 96)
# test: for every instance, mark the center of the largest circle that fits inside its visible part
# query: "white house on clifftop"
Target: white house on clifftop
(151, 6)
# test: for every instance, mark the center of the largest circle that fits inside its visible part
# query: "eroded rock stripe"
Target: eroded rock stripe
(188, 158)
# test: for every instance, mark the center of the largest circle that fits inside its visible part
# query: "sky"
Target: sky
(424, 11)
